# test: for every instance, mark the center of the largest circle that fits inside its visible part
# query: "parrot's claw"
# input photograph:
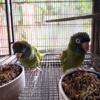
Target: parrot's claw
(81, 68)
(38, 69)
(37, 72)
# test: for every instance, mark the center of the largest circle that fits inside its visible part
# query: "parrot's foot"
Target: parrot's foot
(37, 69)
(81, 68)
(36, 73)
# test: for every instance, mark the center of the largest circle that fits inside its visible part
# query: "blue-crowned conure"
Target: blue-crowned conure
(74, 55)
(29, 56)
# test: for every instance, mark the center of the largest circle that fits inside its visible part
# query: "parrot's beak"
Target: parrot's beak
(85, 46)
(18, 56)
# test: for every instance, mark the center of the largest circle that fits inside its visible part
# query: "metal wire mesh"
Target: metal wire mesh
(4, 50)
(43, 85)
(46, 86)
(30, 21)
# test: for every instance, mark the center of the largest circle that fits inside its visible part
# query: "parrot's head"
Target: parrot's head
(80, 41)
(22, 49)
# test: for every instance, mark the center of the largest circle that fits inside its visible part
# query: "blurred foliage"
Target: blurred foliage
(2, 1)
(47, 7)
(84, 7)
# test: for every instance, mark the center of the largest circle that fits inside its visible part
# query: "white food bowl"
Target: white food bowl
(62, 94)
(10, 90)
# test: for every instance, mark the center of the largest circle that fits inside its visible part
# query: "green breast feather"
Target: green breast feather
(33, 60)
(74, 55)
(71, 59)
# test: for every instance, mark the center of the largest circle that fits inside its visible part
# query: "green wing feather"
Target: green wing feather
(34, 59)
(74, 55)
(71, 59)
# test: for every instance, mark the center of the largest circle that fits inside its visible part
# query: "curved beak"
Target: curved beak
(85, 46)
(18, 56)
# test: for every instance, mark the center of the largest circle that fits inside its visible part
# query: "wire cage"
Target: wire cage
(4, 45)
(27, 20)
(30, 22)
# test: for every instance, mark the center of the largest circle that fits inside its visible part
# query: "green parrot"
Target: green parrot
(74, 55)
(29, 56)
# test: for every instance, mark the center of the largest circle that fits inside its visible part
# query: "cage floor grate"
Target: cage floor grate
(45, 86)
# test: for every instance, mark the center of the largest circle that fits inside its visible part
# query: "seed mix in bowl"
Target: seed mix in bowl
(8, 72)
(82, 85)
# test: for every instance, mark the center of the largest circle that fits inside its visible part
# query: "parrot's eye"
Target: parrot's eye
(77, 41)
